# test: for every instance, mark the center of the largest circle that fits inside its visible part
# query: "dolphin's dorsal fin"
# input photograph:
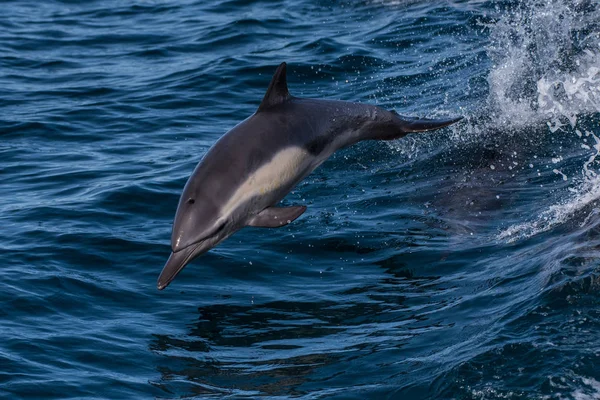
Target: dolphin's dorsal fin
(277, 92)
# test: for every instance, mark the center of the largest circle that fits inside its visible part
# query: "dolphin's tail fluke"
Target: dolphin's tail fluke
(408, 125)
(398, 126)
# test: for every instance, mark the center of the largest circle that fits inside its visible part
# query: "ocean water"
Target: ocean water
(457, 264)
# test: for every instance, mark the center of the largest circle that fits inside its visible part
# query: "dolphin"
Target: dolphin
(243, 176)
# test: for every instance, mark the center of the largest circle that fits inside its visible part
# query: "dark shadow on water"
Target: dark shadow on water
(249, 350)
(295, 348)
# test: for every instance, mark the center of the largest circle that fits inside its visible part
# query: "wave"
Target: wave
(546, 70)
(543, 84)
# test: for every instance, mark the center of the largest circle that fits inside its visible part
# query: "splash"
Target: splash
(532, 50)
(547, 70)
(566, 96)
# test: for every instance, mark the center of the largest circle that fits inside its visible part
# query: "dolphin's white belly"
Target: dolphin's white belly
(283, 171)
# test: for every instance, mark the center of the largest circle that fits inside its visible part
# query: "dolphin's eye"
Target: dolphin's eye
(191, 201)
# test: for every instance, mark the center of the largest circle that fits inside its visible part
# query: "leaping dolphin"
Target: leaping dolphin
(257, 163)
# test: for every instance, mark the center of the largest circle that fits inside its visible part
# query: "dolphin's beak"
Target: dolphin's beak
(176, 262)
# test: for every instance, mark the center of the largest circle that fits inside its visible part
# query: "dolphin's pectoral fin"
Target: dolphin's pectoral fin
(274, 217)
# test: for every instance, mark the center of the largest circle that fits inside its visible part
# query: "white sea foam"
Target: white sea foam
(589, 391)
(536, 44)
(582, 197)
(565, 96)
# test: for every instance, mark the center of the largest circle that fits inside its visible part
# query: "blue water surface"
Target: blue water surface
(457, 264)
